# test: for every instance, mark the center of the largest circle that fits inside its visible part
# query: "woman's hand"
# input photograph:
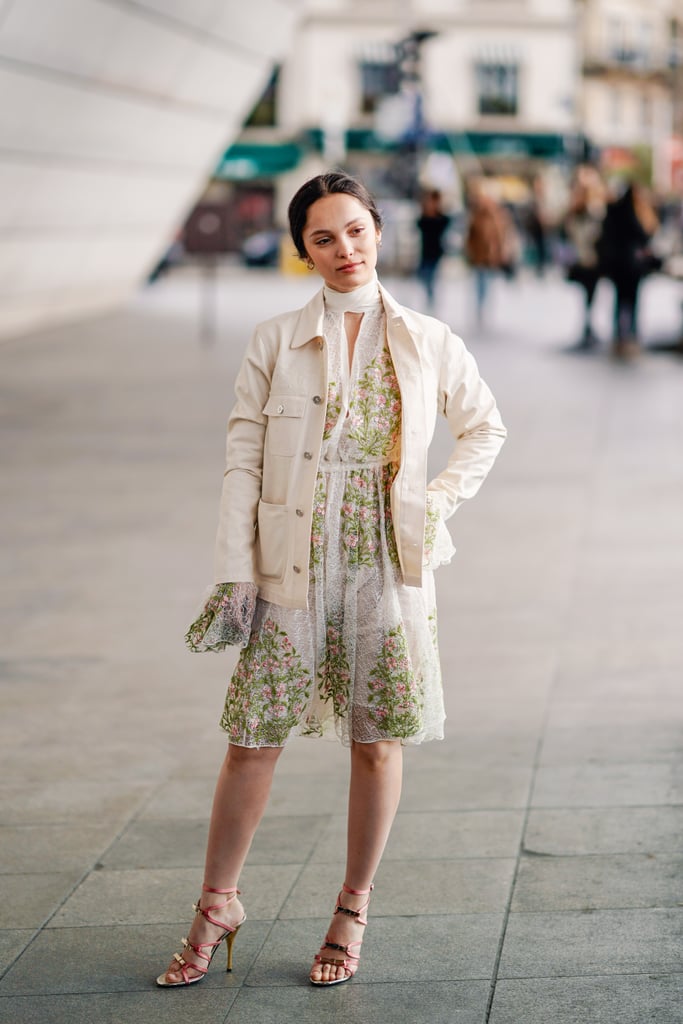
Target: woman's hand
(225, 619)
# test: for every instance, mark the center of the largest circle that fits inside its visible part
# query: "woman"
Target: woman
(432, 225)
(489, 244)
(320, 555)
(583, 227)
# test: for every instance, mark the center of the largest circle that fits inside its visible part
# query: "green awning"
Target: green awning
(503, 144)
(249, 161)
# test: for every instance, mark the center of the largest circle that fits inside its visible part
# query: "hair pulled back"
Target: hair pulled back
(325, 185)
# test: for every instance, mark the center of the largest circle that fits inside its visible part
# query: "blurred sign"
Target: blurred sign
(206, 229)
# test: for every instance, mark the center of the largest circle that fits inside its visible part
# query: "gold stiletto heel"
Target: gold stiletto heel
(229, 943)
(229, 933)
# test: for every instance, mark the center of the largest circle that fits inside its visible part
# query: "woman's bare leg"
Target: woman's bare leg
(374, 794)
(241, 795)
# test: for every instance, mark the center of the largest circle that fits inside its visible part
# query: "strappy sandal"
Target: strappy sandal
(199, 948)
(349, 961)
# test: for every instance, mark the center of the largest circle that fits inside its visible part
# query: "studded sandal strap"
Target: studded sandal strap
(350, 961)
(339, 909)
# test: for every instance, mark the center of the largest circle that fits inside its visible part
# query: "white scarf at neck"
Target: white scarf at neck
(364, 297)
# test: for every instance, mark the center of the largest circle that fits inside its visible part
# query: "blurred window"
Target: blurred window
(498, 88)
(379, 78)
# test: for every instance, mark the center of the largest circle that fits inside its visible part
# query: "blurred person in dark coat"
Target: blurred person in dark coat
(432, 225)
(626, 258)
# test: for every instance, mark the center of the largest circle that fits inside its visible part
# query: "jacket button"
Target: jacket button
(308, 455)
(296, 568)
(280, 409)
(317, 399)
(299, 511)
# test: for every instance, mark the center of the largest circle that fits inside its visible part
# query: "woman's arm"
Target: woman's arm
(234, 556)
(475, 423)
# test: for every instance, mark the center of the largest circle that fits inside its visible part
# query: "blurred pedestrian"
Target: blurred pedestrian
(536, 225)
(432, 225)
(326, 547)
(626, 258)
(490, 243)
(582, 227)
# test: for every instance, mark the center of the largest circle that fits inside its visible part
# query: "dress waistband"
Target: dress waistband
(337, 466)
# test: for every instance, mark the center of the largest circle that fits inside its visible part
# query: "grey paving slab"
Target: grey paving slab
(457, 947)
(173, 1006)
(162, 895)
(477, 786)
(120, 959)
(490, 713)
(180, 799)
(619, 692)
(357, 1003)
(190, 798)
(70, 800)
(595, 942)
(613, 717)
(522, 632)
(445, 887)
(655, 564)
(646, 830)
(627, 999)
(642, 637)
(436, 835)
(162, 844)
(574, 742)
(582, 883)
(13, 941)
(27, 900)
(462, 746)
(26, 848)
(608, 785)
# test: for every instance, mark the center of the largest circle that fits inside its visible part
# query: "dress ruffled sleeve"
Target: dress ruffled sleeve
(225, 619)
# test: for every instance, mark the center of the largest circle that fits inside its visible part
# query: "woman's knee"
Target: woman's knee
(376, 756)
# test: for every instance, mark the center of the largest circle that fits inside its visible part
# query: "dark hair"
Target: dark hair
(326, 185)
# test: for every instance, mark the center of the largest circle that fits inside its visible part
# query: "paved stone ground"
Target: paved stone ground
(534, 873)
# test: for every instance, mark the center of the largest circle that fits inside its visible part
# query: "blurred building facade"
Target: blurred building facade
(444, 89)
(631, 99)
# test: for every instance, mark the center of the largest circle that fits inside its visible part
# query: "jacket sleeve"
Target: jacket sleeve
(475, 423)
(234, 553)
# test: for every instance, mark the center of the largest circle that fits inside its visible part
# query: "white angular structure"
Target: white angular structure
(112, 115)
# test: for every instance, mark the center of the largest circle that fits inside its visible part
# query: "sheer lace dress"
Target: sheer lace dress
(361, 662)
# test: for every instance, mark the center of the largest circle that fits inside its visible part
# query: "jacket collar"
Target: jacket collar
(309, 326)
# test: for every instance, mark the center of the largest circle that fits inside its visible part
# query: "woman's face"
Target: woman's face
(341, 239)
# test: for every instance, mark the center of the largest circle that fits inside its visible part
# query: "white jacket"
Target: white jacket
(275, 434)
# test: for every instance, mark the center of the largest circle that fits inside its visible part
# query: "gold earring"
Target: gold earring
(310, 264)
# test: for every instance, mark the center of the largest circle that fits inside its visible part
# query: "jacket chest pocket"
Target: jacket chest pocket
(285, 414)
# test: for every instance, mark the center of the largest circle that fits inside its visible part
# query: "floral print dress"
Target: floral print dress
(361, 661)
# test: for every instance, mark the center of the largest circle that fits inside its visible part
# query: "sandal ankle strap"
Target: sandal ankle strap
(357, 892)
(221, 892)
